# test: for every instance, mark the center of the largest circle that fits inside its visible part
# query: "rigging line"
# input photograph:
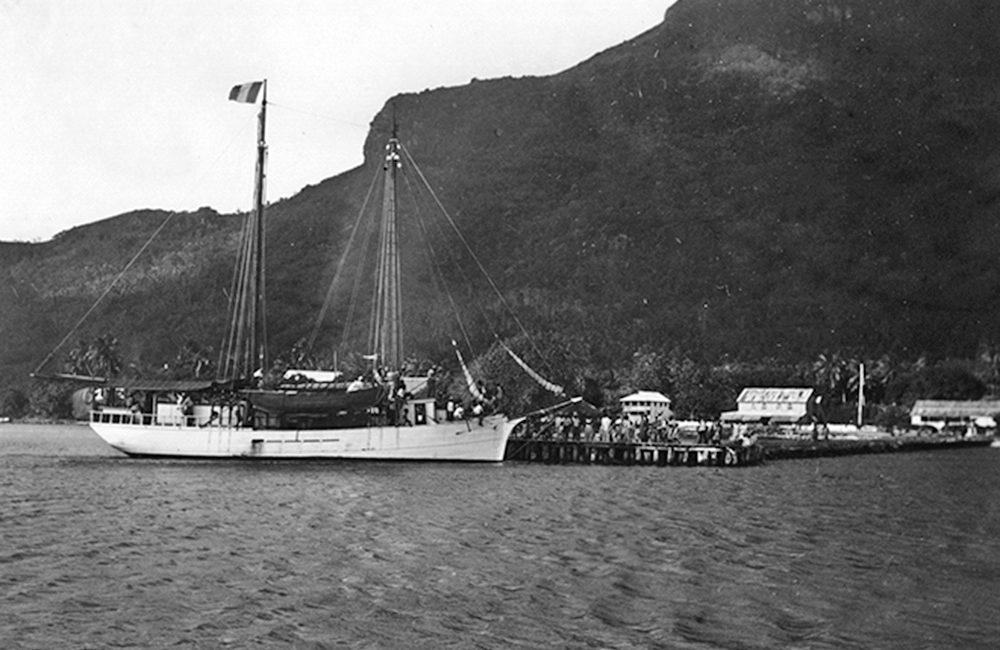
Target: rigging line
(238, 339)
(475, 258)
(135, 257)
(377, 230)
(439, 273)
(376, 309)
(380, 298)
(440, 269)
(106, 291)
(227, 349)
(479, 308)
(352, 304)
(223, 361)
(260, 354)
(271, 104)
(328, 300)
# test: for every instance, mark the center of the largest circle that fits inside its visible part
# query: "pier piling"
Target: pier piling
(676, 454)
(559, 452)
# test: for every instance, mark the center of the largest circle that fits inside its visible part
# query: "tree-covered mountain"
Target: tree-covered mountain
(750, 179)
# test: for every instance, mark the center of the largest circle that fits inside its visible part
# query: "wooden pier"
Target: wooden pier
(560, 452)
(680, 454)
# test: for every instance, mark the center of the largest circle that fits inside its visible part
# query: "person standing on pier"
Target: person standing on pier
(605, 431)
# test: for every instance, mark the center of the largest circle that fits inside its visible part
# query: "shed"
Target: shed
(942, 413)
(646, 403)
(781, 405)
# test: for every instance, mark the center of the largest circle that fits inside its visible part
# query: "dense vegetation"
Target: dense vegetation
(747, 193)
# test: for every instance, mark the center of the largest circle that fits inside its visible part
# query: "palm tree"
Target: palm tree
(830, 374)
(989, 360)
(193, 360)
(104, 355)
(99, 358)
(881, 372)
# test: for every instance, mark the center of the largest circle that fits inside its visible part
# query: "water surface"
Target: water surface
(99, 550)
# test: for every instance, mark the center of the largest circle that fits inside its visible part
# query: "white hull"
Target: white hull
(464, 440)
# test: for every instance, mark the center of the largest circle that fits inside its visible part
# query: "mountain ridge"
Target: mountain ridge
(746, 180)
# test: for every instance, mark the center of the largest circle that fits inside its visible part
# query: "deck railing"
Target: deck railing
(122, 416)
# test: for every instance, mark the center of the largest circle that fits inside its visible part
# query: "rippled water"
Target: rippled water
(98, 550)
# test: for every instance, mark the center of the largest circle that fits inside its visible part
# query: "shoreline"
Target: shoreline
(790, 449)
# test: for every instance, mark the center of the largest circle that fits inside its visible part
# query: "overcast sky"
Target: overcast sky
(113, 105)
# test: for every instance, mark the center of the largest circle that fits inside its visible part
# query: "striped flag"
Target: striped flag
(246, 92)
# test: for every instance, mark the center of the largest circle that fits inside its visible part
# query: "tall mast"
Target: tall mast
(259, 329)
(387, 326)
(245, 350)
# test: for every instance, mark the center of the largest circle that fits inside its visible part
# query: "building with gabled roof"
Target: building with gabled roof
(779, 405)
(941, 413)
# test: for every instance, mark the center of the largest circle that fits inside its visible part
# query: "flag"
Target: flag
(246, 92)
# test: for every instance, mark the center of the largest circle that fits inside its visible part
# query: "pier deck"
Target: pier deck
(558, 452)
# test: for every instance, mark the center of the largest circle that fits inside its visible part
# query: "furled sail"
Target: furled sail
(470, 383)
(542, 381)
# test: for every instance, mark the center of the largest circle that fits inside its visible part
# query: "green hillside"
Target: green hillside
(751, 180)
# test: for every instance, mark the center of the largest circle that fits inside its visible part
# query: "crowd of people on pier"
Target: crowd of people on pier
(622, 428)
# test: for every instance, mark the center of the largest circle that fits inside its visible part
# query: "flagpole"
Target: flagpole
(246, 344)
(260, 332)
(861, 393)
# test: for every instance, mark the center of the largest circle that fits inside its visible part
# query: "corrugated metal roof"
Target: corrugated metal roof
(955, 408)
(783, 395)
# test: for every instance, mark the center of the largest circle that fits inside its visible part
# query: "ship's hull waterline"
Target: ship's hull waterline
(462, 440)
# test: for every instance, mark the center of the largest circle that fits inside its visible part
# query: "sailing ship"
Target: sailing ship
(389, 417)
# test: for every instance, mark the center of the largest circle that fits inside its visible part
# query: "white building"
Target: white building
(779, 405)
(955, 413)
(648, 403)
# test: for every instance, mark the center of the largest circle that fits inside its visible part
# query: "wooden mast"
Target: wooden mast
(245, 349)
(387, 326)
(258, 348)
